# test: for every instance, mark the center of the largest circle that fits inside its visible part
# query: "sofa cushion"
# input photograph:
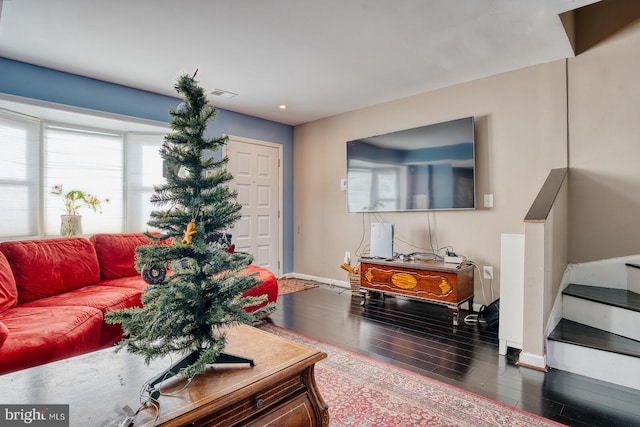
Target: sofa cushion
(8, 290)
(103, 298)
(40, 335)
(52, 266)
(4, 333)
(117, 253)
(131, 282)
(268, 286)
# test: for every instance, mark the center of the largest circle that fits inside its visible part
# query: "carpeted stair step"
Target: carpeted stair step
(613, 310)
(575, 333)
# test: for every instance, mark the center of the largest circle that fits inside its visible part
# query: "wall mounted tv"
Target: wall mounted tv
(426, 168)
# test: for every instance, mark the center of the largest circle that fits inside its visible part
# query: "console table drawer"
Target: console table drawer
(255, 406)
(298, 411)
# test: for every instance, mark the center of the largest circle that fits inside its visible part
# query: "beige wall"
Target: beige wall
(520, 136)
(604, 146)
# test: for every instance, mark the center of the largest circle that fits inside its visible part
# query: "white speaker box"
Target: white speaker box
(381, 240)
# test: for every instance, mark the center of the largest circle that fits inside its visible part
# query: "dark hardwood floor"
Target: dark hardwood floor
(420, 337)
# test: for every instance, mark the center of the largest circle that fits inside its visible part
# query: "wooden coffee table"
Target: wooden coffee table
(279, 391)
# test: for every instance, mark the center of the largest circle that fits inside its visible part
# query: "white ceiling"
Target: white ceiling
(320, 58)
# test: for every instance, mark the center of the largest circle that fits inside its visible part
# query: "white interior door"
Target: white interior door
(255, 166)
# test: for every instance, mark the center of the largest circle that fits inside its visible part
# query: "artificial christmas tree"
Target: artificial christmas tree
(188, 309)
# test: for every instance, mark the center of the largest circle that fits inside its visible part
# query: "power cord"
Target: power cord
(435, 254)
(358, 254)
(473, 318)
(149, 396)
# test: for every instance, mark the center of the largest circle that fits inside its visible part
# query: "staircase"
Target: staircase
(598, 335)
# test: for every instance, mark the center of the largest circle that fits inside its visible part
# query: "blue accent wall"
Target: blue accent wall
(45, 84)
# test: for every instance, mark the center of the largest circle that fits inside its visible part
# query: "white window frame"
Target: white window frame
(114, 124)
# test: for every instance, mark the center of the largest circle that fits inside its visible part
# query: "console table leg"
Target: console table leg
(365, 295)
(471, 305)
(456, 312)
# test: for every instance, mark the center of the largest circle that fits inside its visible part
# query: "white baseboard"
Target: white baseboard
(533, 361)
(324, 280)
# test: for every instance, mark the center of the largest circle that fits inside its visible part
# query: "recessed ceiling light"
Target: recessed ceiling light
(223, 93)
(283, 107)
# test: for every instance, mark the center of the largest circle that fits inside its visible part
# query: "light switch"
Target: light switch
(488, 200)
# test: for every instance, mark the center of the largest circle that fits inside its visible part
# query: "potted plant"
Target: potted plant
(71, 222)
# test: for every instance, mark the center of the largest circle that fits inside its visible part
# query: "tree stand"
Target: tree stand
(189, 359)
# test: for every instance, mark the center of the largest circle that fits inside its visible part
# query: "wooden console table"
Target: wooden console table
(425, 280)
(280, 390)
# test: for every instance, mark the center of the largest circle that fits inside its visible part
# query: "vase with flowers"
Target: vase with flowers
(71, 222)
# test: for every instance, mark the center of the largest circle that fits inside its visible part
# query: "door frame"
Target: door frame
(280, 186)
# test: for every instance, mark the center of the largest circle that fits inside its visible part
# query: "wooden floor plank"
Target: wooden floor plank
(420, 337)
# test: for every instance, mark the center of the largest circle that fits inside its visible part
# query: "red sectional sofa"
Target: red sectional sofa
(54, 293)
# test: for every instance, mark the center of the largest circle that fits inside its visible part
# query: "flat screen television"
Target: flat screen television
(425, 168)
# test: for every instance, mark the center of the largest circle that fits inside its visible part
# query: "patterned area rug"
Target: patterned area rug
(289, 285)
(364, 392)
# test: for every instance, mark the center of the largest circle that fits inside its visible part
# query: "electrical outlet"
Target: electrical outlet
(347, 257)
(487, 272)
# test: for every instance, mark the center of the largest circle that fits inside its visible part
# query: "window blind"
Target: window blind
(144, 170)
(19, 175)
(87, 160)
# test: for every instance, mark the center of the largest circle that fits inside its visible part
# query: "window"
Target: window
(19, 175)
(85, 160)
(144, 170)
(119, 166)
